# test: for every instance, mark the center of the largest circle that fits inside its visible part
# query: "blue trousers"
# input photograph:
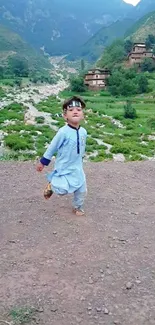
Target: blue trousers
(78, 195)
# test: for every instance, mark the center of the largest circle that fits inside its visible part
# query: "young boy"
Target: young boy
(69, 144)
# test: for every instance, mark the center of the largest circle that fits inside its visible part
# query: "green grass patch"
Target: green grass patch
(14, 142)
(22, 315)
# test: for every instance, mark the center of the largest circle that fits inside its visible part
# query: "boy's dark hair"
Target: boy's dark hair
(69, 100)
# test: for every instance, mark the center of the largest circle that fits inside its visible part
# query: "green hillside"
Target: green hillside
(94, 47)
(12, 44)
(117, 52)
(142, 28)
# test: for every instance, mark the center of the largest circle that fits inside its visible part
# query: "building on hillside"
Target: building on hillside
(95, 79)
(139, 53)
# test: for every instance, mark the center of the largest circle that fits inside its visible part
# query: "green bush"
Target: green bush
(14, 142)
(2, 93)
(121, 148)
(77, 84)
(40, 119)
(151, 123)
(129, 111)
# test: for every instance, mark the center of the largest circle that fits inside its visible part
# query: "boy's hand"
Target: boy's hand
(40, 167)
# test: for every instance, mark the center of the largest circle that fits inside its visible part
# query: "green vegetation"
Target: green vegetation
(77, 84)
(127, 82)
(129, 111)
(113, 55)
(125, 124)
(21, 316)
(94, 47)
(2, 92)
(13, 112)
(142, 31)
(51, 105)
(19, 60)
(142, 28)
(115, 124)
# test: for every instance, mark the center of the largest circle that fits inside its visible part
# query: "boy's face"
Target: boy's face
(73, 114)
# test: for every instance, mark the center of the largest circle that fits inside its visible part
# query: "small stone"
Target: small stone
(79, 320)
(83, 299)
(138, 282)
(73, 262)
(116, 322)
(98, 309)
(40, 310)
(101, 271)
(44, 284)
(106, 311)
(91, 281)
(54, 309)
(129, 286)
(54, 233)
(109, 272)
(89, 308)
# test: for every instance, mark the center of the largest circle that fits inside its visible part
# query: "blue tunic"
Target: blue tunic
(68, 175)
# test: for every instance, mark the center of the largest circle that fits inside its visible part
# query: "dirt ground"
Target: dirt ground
(97, 269)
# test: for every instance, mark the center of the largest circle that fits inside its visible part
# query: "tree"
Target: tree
(82, 65)
(148, 64)
(1, 72)
(126, 82)
(18, 82)
(128, 46)
(129, 111)
(113, 54)
(18, 66)
(77, 84)
(142, 83)
(150, 40)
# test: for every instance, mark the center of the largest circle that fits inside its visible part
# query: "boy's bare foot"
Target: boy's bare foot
(78, 212)
(48, 191)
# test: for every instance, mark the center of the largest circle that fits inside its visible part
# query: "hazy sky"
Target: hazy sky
(134, 2)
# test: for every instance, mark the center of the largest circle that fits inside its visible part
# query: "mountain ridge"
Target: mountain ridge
(60, 26)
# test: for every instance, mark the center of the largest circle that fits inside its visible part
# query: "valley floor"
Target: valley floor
(98, 269)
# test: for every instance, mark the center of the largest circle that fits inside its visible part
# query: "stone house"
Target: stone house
(95, 79)
(139, 53)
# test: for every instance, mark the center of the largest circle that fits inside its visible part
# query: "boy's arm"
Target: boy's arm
(55, 144)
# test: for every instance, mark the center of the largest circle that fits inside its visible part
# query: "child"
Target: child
(69, 144)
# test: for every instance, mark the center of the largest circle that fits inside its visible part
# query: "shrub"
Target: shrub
(121, 148)
(151, 123)
(40, 119)
(14, 142)
(77, 84)
(129, 111)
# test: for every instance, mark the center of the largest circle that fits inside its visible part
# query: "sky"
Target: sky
(133, 2)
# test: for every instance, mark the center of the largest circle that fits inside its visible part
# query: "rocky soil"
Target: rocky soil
(97, 269)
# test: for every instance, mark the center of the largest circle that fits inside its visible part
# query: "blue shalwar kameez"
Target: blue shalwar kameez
(68, 174)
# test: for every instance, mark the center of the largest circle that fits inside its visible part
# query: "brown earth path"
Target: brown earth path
(97, 269)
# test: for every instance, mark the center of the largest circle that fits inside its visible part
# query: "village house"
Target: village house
(139, 53)
(95, 79)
